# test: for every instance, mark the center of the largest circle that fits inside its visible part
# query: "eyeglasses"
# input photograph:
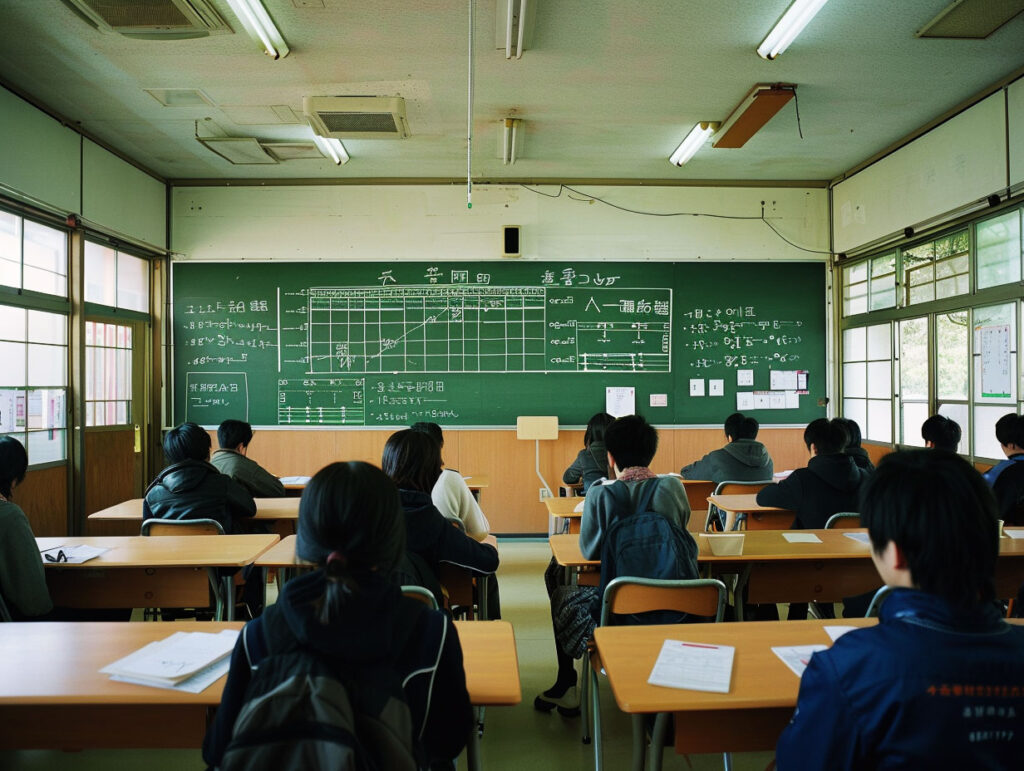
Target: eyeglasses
(60, 557)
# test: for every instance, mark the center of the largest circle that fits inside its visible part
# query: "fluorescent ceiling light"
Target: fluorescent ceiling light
(796, 17)
(332, 148)
(257, 23)
(698, 135)
(509, 138)
(514, 27)
(758, 107)
(241, 151)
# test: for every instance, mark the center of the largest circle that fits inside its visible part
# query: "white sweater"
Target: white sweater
(454, 500)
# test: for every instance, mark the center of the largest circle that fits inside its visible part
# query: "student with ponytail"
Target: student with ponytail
(351, 615)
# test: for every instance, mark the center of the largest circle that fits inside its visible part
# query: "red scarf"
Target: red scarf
(636, 474)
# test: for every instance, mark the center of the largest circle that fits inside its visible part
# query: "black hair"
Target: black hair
(631, 441)
(431, 429)
(350, 522)
(186, 442)
(828, 436)
(942, 432)
(412, 459)
(942, 515)
(1009, 429)
(596, 427)
(232, 433)
(852, 430)
(13, 464)
(746, 429)
(733, 424)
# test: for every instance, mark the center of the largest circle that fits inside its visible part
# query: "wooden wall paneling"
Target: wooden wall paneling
(511, 503)
(43, 496)
(786, 446)
(877, 451)
(690, 445)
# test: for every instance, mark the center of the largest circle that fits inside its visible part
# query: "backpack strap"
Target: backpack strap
(647, 496)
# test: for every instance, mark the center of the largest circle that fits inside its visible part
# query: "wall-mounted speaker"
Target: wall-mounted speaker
(510, 241)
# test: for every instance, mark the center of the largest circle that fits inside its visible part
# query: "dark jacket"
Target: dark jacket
(591, 465)
(861, 458)
(432, 540)
(193, 489)
(743, 460)
(829, 484)
(928, 688)
(1009, 491)
(365, 633)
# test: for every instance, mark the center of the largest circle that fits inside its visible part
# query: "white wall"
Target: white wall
(122, 198)
(382, 223)
(1015, 115)
(959, 162)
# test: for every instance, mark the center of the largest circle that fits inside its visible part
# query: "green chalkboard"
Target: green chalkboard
(363, 344)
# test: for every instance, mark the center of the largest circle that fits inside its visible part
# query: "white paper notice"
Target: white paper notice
(792, 400)
(659, 400)
(761, 400)
(694, 666)
(620, 401)
(859, 538)
(745, 377)
(783, 380)
(295, 480)
(801, 380)
(744, 401)
(996, 375)
(797, 657)
(835, 632)
(696, 386)
(801, 537)
(716, 387)
(1014, 533)
(776, 400)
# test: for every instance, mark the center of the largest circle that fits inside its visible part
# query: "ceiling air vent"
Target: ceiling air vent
(152, 19)
(357, 117)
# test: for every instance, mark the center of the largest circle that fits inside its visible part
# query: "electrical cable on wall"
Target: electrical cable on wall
(469, 117)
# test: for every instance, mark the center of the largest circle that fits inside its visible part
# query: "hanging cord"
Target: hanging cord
(469, 117)
(796, 102)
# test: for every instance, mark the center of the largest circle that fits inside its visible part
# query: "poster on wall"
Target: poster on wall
(995, 361)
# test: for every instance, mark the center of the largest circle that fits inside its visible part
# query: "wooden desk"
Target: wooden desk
(266, 508)
(746, 503)
(762, 695)
(566, 509)
(172, 571)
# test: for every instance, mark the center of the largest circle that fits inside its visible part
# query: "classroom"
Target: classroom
(475, 214)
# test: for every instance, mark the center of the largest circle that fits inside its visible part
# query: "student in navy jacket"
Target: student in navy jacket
(1007, 477)
(939, 683)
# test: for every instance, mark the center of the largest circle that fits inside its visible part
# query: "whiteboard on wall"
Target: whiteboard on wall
(962, 160)
(1015, 117)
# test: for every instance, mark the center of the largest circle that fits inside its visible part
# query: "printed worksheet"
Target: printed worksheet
(796, 657)
(801, 537)
(693, 666)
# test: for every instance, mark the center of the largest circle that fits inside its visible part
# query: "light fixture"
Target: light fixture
(757, 108)
(791, 24)
(331, 148)
(511, 31)
(509, 138)
(257, 23)
(698, 135)
(241, 151)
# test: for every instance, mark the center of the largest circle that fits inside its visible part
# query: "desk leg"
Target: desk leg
(739, 593)
(218, 594)
(473, 745)
(228, 589)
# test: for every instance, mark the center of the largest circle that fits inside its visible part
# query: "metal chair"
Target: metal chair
(628, 595)
(843, 519)
(732, 487)
(223, 586)
(876, 602)
(697, 492)
(422, 594)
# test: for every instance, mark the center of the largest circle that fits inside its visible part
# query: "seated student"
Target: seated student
(412, 459)
(591, 464)
(853, 449)
(191, 488)
(1007, 478)
(632, 443)
(743, 459)
(22, 583)
(1006, 427)
(452, 495)
(350, 613)
(231, 459)
(936, 683)
(941, 433)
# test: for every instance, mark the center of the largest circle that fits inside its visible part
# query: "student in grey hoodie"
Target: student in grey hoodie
(743, 459)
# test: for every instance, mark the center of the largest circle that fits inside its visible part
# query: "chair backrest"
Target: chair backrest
(876, 602)
(628, 595)
(422, 594)
(732, 487)
(5, 614)
(843, 519)
(697, 492)
(182, 527)
(769, 520)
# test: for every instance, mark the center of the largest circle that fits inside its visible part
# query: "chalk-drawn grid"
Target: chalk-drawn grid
(427, 329)
(624, 346)
(321, 401)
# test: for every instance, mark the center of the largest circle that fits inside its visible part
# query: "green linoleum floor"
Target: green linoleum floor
(515, 738)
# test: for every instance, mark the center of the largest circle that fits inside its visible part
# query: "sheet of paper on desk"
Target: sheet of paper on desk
(693, 666)
(801, 537)
(579, 506)
(175, 660)
(796, 657)
(863, 538)
(835, 632)
(75, 555)
(295, 480)
(1014, 533)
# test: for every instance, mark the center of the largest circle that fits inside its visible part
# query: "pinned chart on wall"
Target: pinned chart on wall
(716, 387)
(659, 400)
(620, 401)
(696, 386)
(996, 377)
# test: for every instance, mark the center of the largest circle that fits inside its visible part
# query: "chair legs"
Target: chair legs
(585, 688)
(658, 740)
(595, 711)
(639, 742)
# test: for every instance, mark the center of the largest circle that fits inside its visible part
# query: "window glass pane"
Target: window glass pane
(856, 410)
(960, 414)
(47, 408)
(951, 355)
(47, 365)
(110, 335)
(914, 359)
(995, 348)
(12, 323)
(985, 443)
(855, 298)
(999, 250)
(123, 375)
(855, 380)
(883, 281)
(100, 274)
(880, 380)
(879, 342)
(12, 373)
(109, 374)
(853, 344)
(122, 412)
(914, 414)
(46, 446)
(12, 410)
(879, 422)
(10, 249)
(46, 261)
(90, 419)
(132, 283)
(47, 328)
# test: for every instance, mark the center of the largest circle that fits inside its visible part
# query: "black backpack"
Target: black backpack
(303, 710)
(643, 544)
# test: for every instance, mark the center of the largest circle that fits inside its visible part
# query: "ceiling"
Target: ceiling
(606, 89)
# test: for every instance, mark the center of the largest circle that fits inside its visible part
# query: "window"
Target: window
(913, 368)
(33, 392)
(952, 370)
(999, 250)
(116, 279)
(33, 256)
(870, 285)
(867, 380)
(108, 374)
(937, 269)
(855, 289)
(882, 291)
